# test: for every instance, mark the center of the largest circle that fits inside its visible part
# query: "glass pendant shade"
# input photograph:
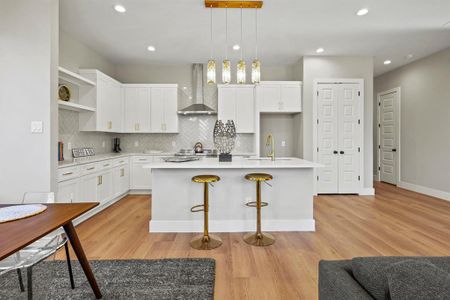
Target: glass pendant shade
(256, 71)
(211, 72)
(226, 71)
(241, 72)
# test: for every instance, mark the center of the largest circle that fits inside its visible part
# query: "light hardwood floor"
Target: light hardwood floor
(394, 222)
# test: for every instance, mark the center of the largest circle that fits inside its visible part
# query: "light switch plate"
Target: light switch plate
(283, 143)
(36, 127)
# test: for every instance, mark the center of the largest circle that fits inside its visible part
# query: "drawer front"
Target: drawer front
(120, 161)
(68, 173)
(142, 159)
(89, 169)
(105, 164)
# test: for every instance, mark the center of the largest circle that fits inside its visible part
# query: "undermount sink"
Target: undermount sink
(268, 158)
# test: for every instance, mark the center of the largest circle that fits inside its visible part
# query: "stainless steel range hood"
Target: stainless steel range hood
(198, 107)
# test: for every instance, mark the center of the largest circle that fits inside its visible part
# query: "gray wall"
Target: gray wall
(28, 85)
(74, 55)
(425, 119)
(317, 67)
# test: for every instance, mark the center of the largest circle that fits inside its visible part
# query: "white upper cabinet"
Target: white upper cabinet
(279, 97)
(237, 103)
(164, 103)
(105, 97)
(137, 102)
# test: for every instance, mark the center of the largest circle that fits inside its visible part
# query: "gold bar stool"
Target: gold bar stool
(205, 241)
(259, 238)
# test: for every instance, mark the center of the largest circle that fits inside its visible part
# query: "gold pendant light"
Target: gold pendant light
(241, 63)
(256, 64)
(226, 64)
(211, 66)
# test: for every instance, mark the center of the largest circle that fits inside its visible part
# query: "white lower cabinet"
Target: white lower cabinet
(121, 180)
(104, 186)
(88, 188)
(68, 191)
(141, 179)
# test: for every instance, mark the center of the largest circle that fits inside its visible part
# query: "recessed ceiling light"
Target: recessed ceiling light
(362, 12)
(236, 47)
(151, 48)
(120, 8)
(409, 56)
(320, 50)
(387, 62)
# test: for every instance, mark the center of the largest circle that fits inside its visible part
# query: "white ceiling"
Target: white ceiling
(288, 29)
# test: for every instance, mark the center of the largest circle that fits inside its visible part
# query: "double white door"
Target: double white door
(339, 141)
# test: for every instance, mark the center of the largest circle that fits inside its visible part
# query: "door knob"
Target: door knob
(335, 152)
(341, 152)
(394, 150)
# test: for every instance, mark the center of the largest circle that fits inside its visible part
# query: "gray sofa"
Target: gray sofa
(385, 278)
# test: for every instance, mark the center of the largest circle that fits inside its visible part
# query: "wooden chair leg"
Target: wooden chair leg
(30, 282)
(19, 274)
(69, 265)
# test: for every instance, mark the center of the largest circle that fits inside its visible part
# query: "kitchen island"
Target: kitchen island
(290, 195)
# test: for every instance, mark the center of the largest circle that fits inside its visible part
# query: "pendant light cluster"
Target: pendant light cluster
(226, 64)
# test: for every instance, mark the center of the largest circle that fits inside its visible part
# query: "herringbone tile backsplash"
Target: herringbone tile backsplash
(192, 129)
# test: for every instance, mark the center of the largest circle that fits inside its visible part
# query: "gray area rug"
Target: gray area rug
(118, 279)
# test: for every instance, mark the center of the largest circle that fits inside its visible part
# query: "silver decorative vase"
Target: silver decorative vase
(224, 139)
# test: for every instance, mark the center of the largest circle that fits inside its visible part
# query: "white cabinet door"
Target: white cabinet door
(171, 110)
(141, 179)
(116, 113)
(164, 116)
(88, 188)
(245, 110)
(227, 104)
(269, 98)
(291, 98)
(121, 181)
(104, 186)
(103, 107)
(157, 110)
(137, 109)
(68, 191)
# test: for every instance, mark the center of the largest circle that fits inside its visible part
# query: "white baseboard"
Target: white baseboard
(424, 190)
(231, 225)
(140, 192)
(367, 192)
(97, 209)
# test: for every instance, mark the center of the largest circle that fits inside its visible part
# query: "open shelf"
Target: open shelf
(74, 106)
(73, 78)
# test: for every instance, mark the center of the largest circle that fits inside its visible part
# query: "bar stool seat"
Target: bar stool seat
(259, 238)
(205, 241)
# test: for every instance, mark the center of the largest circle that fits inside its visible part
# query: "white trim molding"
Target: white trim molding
(367, 192)
(231, 225)
(424, 190)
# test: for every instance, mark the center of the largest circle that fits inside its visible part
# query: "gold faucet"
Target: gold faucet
(270, 142)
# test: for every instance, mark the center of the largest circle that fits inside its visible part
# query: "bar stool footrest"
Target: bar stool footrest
(254, 204)
(198, 208)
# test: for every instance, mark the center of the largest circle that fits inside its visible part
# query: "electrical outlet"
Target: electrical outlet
(36, 127)
(69, 146)
(238, 143)
(136, 143)
(174, 144)
(283, 143)
(103, 144)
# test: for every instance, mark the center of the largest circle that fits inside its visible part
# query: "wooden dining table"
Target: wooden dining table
(15, 235)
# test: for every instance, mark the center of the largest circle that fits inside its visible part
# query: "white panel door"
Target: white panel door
(130, 103)
(157, 110)
(349, 135)
(291, 98)
(327, 130)
(88, 188)
(103, 107)
(170, 110)
(227, 104)
(388, 137)
(245, 110)
(68, 191)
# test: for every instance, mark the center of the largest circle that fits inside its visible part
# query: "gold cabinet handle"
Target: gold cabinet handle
(91, 168)
(99, 180)
(68, 173)
(122, 172)
(106, 165)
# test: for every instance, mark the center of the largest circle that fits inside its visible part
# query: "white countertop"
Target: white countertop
(237, 163)
(106, 156)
